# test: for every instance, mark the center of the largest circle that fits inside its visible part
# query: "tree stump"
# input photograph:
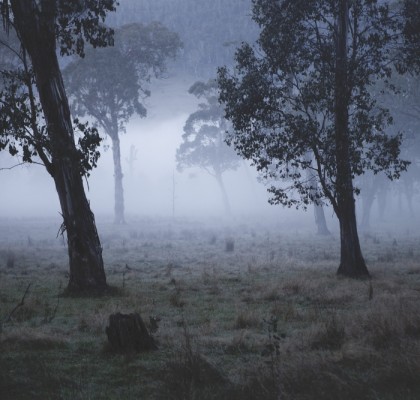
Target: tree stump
(128, 333)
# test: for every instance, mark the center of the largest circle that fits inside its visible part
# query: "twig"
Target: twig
(21, 304)
(14, 166)
(19, 164)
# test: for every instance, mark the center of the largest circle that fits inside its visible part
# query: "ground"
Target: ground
(247, 310)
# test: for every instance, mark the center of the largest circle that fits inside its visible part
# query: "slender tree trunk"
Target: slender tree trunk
(225, 198)
(34, 22)
(368, 196)
(409, 191)
(118, 181)
(382, 197)
(369, 190)
(352, 263)
(320, 221)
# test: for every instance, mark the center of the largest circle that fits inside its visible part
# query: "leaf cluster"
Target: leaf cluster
(411, 36)
(23, 129)
(79, 22)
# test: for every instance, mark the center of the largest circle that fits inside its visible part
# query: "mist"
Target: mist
(238, 236)
(152, 184)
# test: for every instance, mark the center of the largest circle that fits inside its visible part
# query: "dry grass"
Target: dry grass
(267, 320)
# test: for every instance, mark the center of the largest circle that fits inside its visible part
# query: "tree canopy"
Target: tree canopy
(140, 53)
(23, 130)
(204, 137)
(280, 97)
(110, 84)
(306, 88)
(203, 142)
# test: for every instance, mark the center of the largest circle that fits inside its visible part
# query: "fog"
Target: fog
(152, 186)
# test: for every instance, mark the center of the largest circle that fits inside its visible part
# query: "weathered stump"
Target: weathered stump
(128, 333)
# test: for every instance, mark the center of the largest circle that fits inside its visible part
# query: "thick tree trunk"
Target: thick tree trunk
(352, 263)
(118, 181)
(225, 198)
(34, 22)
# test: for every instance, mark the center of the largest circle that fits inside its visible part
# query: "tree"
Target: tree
(410, 54)
(108, 84)
(331, 53)
(203, 142)
(45, 130)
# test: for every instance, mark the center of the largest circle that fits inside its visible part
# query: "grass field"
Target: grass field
(247, 311)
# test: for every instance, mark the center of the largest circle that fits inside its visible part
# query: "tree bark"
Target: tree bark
(352, 263)
(118, 181)
(35, 23)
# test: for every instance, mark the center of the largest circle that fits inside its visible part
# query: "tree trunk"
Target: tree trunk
(34, 22)
(118, 181)
(225, 198)
(320, 221)
(367, 198)
(352, 263)
(382, 197)
(409, 192)
(369, 190)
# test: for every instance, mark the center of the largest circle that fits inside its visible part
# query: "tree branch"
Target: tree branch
(19, 164)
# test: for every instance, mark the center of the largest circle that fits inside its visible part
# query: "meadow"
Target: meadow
(245, 310)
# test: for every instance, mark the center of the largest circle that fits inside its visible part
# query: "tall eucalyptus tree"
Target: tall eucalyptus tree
(332, 53)
(45, 130)
(110, 84)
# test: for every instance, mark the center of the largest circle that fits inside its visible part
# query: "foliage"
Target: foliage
(204, 134)
(107, 83)
(411, 35)
(79, 22)
(280, 97)
(23, 129)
